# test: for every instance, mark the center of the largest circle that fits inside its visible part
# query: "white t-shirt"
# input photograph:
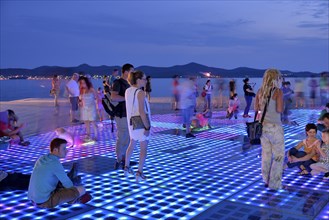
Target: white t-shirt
(73, 88)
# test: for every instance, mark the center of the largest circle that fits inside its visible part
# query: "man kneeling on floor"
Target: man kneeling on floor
(44, 188)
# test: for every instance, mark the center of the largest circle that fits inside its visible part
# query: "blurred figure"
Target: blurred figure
(187, 96)
(220, 93)
(313, 84)
(287, 101)
(88, 100)
(113, 77)
(323, 122)
(106, 84)
(73, 90)
(233, 107)
(100, 108)
(55, 89)
(9, 127)
(299, 90)
(148, 88)
(248, 95)
(175, 92)
(232, 87)
(207, 99)
(64, 134)
(324, 88)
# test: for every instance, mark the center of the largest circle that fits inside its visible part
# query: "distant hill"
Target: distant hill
(155, 72)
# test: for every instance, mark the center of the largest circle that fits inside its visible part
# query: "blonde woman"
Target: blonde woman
(272, 139)
(137, 105)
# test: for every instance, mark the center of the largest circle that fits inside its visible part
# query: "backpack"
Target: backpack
(109, 107)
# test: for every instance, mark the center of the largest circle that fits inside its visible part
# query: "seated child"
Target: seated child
(202, 120)
(323, 164)
(233, 107)
(9, 127)
(304, 159)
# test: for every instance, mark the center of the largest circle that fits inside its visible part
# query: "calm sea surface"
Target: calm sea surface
(22, 89)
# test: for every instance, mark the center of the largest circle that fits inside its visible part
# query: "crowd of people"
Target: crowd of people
(49, 185)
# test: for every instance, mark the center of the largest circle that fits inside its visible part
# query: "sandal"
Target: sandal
(128, 171)
(303, 172)
(140, 176)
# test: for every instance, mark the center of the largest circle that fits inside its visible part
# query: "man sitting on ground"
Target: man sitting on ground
(44, 189)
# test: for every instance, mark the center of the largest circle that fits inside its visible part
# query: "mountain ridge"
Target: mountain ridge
(184, 70)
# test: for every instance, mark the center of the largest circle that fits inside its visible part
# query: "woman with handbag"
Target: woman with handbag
(270, 97)
(139, 118)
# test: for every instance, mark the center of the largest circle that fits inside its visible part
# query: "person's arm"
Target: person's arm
(320, 151)
(115, 92)
(279, 100)
(256, 104)
(59, 172)
(141, 105)
(13, 132)
(305, 158)
(299, 146)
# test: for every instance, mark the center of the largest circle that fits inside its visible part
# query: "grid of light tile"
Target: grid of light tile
(217, 175)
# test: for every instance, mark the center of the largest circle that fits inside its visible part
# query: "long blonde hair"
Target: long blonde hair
(271, 80)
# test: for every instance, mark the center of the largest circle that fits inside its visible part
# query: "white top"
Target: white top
(208, 89)
(73, 88)
(134, 110)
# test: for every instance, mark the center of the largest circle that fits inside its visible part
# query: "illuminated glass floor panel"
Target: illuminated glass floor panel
(215, 176)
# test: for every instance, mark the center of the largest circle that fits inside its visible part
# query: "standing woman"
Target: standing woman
(248, 95)
(87, 101)
(137, 105)
(208, 89)
(148, 88)
(272, 139)
(55, 88)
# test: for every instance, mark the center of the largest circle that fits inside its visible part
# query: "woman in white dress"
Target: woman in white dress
(87, 101)
(137, 105)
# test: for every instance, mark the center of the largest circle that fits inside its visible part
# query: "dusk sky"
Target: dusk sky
(289, 35)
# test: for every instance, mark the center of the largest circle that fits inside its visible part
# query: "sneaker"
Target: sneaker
(190, 135)
(24, 143)
(84, 198)
(128, 171)
(326, 176)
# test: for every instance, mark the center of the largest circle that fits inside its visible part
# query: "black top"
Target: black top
(245, 87)
(232, 86)
(148, 87)
(120, 86)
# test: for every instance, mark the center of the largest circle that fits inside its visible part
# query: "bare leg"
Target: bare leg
(130, 151)
(95, 130)
(142, 155)
(87, 127)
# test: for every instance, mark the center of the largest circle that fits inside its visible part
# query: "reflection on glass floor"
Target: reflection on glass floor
(215, 176)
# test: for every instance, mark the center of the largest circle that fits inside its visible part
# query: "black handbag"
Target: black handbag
(136, 121)
(255, 128)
